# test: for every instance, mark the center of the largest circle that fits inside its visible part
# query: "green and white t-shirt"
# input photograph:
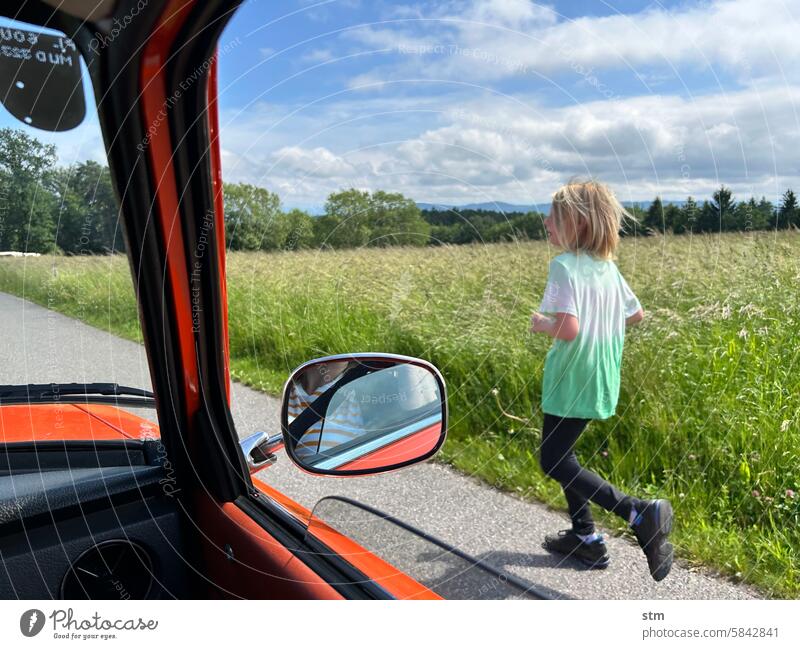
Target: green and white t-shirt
(581, 376)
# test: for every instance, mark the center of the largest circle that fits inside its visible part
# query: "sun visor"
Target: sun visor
(41, 82)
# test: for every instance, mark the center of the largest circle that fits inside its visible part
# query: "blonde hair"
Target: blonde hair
(595, 214)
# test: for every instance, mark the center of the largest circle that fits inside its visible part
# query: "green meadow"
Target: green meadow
(710, 402)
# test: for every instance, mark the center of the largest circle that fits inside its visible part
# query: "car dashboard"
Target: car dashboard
(89, 520)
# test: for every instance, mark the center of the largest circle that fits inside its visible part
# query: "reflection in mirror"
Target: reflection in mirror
(359, 414)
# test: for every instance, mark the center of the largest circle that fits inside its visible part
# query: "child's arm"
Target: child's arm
(563, 326)
(635, 318)
(559, 304)
(633, 308)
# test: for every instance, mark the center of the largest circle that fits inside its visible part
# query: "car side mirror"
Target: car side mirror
(360, 414)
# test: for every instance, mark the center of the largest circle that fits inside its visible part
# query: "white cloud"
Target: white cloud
(453, 137)
(749, 39)
(320, 10)
(495, 148)
(511, 13)
(317, 56)
(318, 162)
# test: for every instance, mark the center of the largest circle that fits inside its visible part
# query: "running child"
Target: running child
(586, 308)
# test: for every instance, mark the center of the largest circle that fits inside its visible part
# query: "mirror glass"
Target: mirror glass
(357, 415)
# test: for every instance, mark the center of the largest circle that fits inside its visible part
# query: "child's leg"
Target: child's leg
(558, 461)
(579, 512)
(577, 505)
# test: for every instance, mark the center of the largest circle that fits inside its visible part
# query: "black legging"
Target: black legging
(558, 461)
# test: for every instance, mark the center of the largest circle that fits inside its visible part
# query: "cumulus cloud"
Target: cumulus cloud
(318, 162)
(744, 37)
(490, 146)
(455, 108)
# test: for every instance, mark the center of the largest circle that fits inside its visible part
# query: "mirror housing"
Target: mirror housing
(362, 414)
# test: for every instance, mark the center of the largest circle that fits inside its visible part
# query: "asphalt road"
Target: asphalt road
(40, 346)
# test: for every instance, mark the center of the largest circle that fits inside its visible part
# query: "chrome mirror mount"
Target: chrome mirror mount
(259, 450)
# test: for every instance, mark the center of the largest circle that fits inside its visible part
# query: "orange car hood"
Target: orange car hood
(70, 421)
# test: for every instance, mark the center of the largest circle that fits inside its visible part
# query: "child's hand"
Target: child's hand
(540, 323)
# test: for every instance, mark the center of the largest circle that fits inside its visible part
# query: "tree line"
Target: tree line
(721, 214)
(46, 208)
(73, 210)
(254, 220)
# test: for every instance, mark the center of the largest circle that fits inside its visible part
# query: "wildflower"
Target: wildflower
(756, 493)
(703, 311)
(789, 493)
(692, 456)
(495, 391)
(751, 309)
(768, 499)
(726, 312)
(785, 425)
(743, 334)
(604, 453)
(681, 495)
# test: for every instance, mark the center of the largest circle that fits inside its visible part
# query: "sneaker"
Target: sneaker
(592, 554)
(651, 526)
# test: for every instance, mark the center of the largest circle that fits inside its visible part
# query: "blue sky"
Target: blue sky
(471, 101)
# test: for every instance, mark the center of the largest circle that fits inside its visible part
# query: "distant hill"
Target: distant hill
(500, 206)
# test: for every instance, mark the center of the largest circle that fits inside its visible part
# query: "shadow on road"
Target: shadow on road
(524, 560)
(487, 577)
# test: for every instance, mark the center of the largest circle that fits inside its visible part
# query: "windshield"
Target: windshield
(388, 169)
(69, 329)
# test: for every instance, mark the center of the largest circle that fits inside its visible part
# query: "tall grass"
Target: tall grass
(708, 412)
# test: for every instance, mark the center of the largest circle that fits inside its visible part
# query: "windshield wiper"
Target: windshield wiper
(108, 393)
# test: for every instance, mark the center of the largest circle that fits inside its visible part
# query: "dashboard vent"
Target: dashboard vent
(117, 569)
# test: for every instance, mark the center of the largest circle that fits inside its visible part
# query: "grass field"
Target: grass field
(710, 402)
